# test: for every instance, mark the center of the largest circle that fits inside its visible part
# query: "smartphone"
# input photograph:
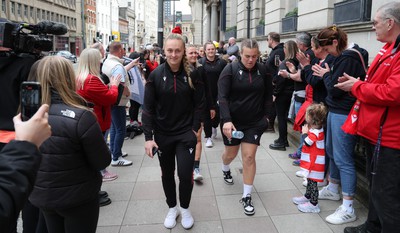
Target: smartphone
(31, 98)
(277, 60)
(155, 150)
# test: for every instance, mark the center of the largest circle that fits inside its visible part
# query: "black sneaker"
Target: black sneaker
(247, 205)
(227, 177)
(103, 201)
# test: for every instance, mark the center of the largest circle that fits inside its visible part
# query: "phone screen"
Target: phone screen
(30, 99)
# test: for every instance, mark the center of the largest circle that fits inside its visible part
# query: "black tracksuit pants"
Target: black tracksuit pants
(182, 147)
(210, 123)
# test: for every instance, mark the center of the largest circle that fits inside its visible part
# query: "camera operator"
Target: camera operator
(21, 45)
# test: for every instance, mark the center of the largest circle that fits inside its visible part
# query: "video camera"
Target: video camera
(14, 35)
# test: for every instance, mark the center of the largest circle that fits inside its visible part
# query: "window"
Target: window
(3, 6)
(129, 4)
(25, 10)
(12, 6)
(31, 11)
(38, 14)
(19, 9)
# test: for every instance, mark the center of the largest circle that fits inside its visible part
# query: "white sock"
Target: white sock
(225, 168)
(247, 189)
(348, 204)
(333, 187)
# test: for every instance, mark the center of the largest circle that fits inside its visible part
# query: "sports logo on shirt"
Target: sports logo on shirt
(191, 150)
(255, 137)
(164, 78)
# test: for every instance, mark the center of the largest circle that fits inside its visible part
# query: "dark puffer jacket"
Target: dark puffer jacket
(69, 174)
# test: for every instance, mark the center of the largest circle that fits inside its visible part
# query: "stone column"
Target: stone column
(208, 30)
(214, 21)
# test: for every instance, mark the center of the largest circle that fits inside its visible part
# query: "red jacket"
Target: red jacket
(152, 65)
(96, 92)
(381, 90)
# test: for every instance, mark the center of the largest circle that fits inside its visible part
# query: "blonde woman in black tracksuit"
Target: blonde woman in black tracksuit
(173, 105)
(244, 95)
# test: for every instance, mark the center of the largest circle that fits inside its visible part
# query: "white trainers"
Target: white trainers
(309, 208)
(187, 219)
(341, 216)
(170, 220)
(319, 184)
(301, 173)
(300, 200)
(214, 133)
(196, 175)
(121, 162)
(326, 194)
(209, 143)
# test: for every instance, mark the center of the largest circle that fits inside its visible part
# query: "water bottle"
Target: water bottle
(237, 134)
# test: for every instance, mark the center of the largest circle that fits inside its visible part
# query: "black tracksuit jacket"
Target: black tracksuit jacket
(171, 106)
(244, 95)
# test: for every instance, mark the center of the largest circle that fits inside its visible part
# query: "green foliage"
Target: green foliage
(228, 29)
(261, 22)
(292, 13)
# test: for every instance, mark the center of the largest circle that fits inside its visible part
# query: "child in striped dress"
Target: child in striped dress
(312, 157)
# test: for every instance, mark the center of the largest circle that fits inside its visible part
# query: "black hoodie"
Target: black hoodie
(348, 62)
(171, 106)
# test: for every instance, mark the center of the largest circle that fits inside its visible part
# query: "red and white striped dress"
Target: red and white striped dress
(313, 155)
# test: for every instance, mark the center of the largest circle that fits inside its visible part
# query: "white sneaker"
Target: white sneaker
(121, 162)
(187, 219)
(341, 216)
(170, 220)
(300, 200)
(214, 133)
(319, 184)
(309, 208)
(196, 175)
(326, 194)
(301, 173)
(209, 143)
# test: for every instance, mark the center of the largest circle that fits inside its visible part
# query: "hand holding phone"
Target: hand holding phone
(31, 98)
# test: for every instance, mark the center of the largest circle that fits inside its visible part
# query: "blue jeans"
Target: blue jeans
(340, 149)
(117, 130)
(297, 106)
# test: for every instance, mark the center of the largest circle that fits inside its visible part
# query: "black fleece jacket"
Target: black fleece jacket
(171, 106)
(244, 95)
(272, 69)
(348, 62)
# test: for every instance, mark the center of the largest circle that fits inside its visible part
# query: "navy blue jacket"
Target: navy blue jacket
(348, 62)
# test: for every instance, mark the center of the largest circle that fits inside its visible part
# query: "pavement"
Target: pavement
(138, 201)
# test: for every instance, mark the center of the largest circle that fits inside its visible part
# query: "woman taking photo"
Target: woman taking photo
(92, 88)
(68, 180)
(244, 95)
(173, 105)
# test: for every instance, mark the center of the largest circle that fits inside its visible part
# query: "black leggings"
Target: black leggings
(182, 147)
(210, 123)
(33, 219)
(80, 219)
(134, 110)
(312, 191)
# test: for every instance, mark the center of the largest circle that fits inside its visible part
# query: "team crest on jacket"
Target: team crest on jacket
(185, 79)
(68, 113)
(164, 78)
(191, 150)
(255, 137)
(240, 72)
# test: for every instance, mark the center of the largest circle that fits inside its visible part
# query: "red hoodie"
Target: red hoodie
(381, 90)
